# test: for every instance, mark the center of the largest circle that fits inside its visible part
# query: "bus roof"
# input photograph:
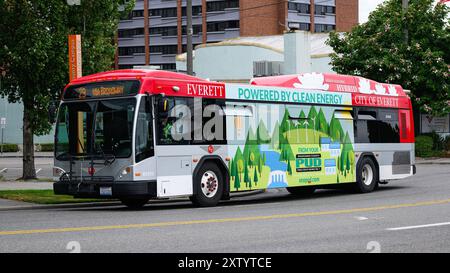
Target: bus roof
(332, 82)
(355, 90)
(132, 74)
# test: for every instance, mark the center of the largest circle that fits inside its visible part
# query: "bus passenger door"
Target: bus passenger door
(144, 151)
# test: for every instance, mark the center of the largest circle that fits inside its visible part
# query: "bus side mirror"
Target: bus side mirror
(163, 106)
(52, 110)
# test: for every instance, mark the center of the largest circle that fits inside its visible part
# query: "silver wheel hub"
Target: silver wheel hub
(209, 184)
(367, 175)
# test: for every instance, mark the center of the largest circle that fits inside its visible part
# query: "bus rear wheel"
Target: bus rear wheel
(366, 176)
(301, 191)
(208, 183)
(134, 203)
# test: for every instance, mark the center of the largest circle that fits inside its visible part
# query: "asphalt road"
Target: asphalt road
(410, 215)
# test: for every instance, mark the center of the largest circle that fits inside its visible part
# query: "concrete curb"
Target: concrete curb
(114, 203)
(431, 162)
(20, 156)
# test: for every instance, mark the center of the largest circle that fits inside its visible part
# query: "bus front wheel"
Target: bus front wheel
(366, 176)
(209, 183)
(134, 203)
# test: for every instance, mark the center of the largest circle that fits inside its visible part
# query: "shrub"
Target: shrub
(438, 141)
(9, 148)
(447, 143)
(47, 147)
(424, 146)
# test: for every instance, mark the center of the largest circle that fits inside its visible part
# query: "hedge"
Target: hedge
(9, 148)
(47, 147)
(424, 146)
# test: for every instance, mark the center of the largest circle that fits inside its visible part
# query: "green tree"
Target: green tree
(275, 140)
(232, 168)
(33, 55)
(322, 123)
(379, 51)
(312, 115)
(237, 182)
(289, 168)
(246, 176)
(255, 177)
(262, 134)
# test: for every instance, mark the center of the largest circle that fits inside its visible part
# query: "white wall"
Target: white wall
(231, 62)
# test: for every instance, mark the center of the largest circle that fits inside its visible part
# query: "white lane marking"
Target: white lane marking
(40, 169)
(420, 226)
(3, 170)
(361, 218)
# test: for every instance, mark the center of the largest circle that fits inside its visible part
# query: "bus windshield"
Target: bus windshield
(95, 128)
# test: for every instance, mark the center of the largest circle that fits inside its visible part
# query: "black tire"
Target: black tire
(301, 191)
(214, 178)
(134, 203)
(366, 176)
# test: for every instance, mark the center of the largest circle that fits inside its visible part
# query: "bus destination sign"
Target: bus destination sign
(102, 89)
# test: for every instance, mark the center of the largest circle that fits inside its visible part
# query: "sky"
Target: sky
(367, 6)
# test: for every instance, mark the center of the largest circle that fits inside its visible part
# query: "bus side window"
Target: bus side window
(374, 126)
(388, 126)
(366, 129)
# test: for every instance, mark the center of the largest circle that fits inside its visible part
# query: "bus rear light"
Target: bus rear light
(137, 174)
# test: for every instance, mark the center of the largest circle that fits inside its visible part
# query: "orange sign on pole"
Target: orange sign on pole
(75, 64)
(75, 71)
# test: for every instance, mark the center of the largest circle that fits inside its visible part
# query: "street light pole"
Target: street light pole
(405, 4)
(189, 30)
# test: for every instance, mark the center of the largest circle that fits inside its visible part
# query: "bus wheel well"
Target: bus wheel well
(371, 156)
(223, 168)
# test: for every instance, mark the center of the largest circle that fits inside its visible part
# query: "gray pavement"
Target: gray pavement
(330, 221)
(11, 167)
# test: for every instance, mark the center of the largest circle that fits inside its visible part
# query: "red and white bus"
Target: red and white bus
(140, 134)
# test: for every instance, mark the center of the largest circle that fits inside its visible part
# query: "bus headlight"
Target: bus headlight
(125, 171)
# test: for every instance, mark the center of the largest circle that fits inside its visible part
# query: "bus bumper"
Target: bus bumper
(121, 189)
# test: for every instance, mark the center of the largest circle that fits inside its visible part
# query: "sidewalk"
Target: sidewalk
(19, 155)
(14, 185)
(420, 160)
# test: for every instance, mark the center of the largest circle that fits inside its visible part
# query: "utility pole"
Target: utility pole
(405, 4)
(189, 30)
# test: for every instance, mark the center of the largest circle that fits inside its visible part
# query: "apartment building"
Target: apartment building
(155, 31)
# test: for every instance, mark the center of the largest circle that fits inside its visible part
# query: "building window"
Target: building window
(196, 10)
(128, 51)
(126, 33)
(164, 49)
(173, 12)
(195, 28)
(300, 7)
(164, 31)
(221, 5)
(324, 28)
(323, 10)
(304, 26)
(222, 26)
(126, 66)
(137, 13)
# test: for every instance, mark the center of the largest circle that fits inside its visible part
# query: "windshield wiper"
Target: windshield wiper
(105, 156)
